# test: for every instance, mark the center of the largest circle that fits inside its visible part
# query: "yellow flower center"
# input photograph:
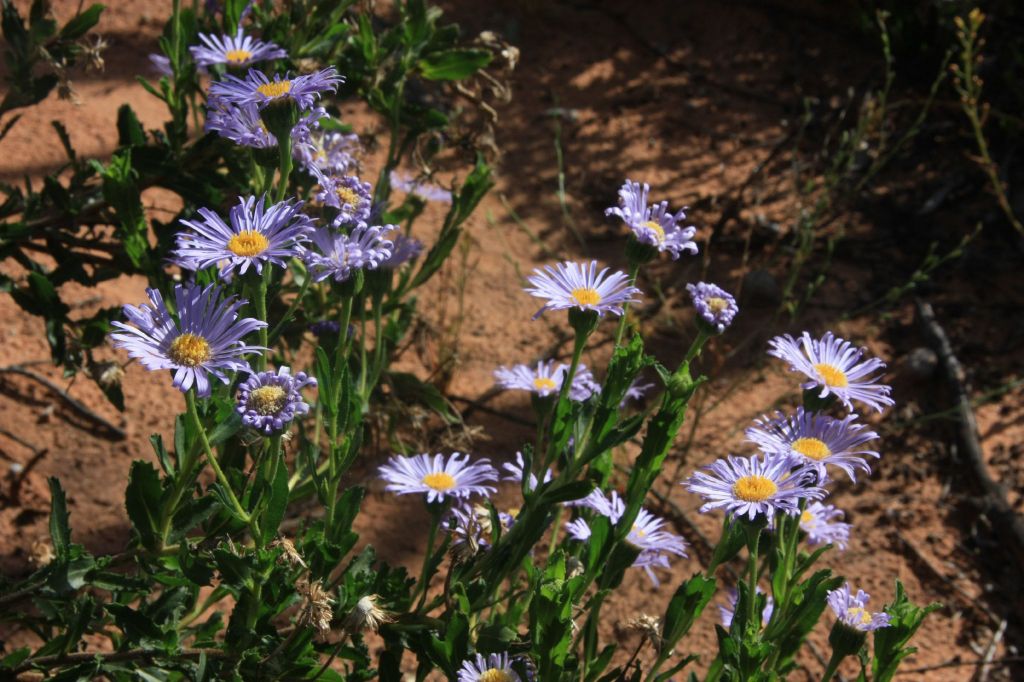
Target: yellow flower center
(807, 518)
(494, 675)
(716, 303)
(238, 56)
(754, 488)
(268, 399)
(347, 196)
(189, 350)
(275, 89)
(640, 532)
(439, 481)
(811, 447)
(544, 384)
(658, 230)
(248, 243)
(831, 375)
(586, 296)
(857, 613)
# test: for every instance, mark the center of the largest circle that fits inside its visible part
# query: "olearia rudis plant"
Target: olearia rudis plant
(295, 291)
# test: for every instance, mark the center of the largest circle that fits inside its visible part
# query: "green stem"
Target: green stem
(285, 146)
(698, 344)
(190, 401)
(634, 269)
(579, 344)
(833, 666)
(378, 347)
(752, 545)
(362, 353)
(279, 327)
(261, 313)
(424, 582)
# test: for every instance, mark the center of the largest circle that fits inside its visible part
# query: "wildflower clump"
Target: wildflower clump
(281, 301)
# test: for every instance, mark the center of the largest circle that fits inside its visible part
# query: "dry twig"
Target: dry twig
(115, 431)
(993, 502)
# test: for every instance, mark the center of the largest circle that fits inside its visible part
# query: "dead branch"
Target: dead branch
(116, 432)
(993, 503)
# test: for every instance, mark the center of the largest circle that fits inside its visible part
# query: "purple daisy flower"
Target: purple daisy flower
(653, 225)
(579, 285)
(331, 153)
(239, 123)
(352, 197)
(715, 306)
(820, 522)
(243, 125)
(494, 668)
(206, 338)
(305, 127)
(632, 208)
(237, 51)
(750, 486)
(255, 237)
(835, 366)
(438, 479)
(852, 611)
(728, 611)
(405, 249)
(268, 401)
(546, 379)
(816, 439)
(426, 191)
(655, 544)
(516, 472)
(342, 254)
(256, 88)
(160, 64)
(610, 506)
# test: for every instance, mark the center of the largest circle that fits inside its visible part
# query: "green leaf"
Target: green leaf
(162, 456)
(80, 24)
(573, 490)
(137, 627)
(192, 513)
(278, 500)
(225, 428)
(686, 605)
(409, 389)
(891, 642)
(65, 139)
(143, 503)
(325, 386)
(120, 189)
(453, 65)
(15, 658)
(129, 130)
(60, 533)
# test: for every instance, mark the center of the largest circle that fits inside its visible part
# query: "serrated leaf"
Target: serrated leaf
(60, 533)
(143, 503)
(453, 65)
(81, 23)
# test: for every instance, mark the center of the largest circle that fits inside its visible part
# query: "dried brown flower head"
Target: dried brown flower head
(366, 615)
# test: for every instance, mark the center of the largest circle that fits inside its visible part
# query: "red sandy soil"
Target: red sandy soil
(690, 100)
